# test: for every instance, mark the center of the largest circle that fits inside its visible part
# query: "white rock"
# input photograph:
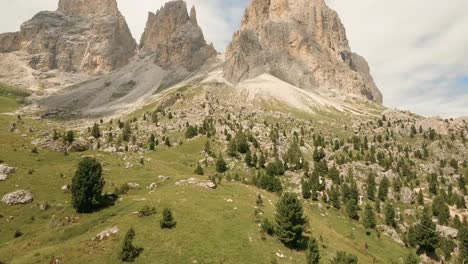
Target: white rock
(106, 233)
(4, 169)
(153, 186)
(133, 185)
(17, 197)
(163, 178)
(3, 177)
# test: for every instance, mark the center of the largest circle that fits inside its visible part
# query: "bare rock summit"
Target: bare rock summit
(87, 36)
(302, 42)
(175, 37)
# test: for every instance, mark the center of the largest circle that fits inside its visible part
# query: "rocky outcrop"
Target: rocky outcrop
(88, 36)
(302, 42)
(17, 197)
(175, 37)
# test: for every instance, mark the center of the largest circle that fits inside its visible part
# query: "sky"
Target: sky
(417, 49)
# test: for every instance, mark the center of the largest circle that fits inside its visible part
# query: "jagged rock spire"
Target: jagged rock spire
(302, 42)
(175, 37)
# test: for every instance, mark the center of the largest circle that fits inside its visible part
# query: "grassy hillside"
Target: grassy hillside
(213, 226)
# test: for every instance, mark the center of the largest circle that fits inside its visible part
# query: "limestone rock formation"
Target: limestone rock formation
(302, 42)
(175, 37)
(17, 197)
(88, 36)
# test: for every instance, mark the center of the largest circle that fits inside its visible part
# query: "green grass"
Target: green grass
(209, 229)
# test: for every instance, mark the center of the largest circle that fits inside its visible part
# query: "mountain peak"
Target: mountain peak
(88, 7)
(175, 37)
(302, 42)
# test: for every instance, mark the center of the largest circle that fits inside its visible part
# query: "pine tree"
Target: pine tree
(191, 132)
(248, 159)
(368, 219)
(335, 197)
(371, 188)
(290, 219)
(383, 189)
(126, 132)
(167, 142)
(312, 252)
(306, 189)
(87, 185)
(95, 131)
(129, 251)
(463, 239)
(221, 166)
(167, 220)
(441, 210)
(352, 209)
(152, 142)
(70, 136)
(199, 170)
(420, 198)
(232, 148)
(259, 201)
(424, 234)
(389, 213)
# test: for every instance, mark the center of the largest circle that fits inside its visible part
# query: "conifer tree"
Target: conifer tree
(383, 189)
(87, 185)
(389, 213)
(312, 252)
(199, 170)
(371, 188)
(290, 219)
(368, 218)
(221, 166)
(95, 132)
(352, 209)
(167, 220)
(129, 251)
(424, 234)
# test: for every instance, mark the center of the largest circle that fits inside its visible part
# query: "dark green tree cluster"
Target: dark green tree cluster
(129, 252)
(87, 186)
(191, 132)
(167, 220)
(268, 182)
(424, 234)
(290, 220)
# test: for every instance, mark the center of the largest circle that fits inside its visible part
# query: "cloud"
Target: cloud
(416, 49)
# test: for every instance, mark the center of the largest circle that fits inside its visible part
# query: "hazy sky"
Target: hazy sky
(417, 49)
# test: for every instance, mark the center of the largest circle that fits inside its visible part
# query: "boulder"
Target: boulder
(133, 186)
(106, 233)
(407, 195)
(3, 177)
(391, 232)
(446, 231)
(4, 169)
(17, 197)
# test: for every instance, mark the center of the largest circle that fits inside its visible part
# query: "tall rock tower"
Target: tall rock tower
(302, 42)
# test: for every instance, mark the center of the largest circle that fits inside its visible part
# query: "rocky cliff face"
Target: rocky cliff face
(88, 36)
(175, 37)
(302, 42)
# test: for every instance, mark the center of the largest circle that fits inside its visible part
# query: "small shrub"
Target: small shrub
(146, 211)
(17, 234)
(167, 220)
(129, 251)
